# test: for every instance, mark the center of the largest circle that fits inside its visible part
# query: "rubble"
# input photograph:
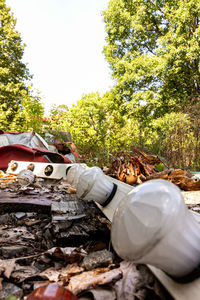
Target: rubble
(49, 235)
(98, 259)
(10, 289)
(18, 202)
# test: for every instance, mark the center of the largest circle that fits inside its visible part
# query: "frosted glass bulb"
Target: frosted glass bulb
(93, 185)
(73, 173)
(152, 225)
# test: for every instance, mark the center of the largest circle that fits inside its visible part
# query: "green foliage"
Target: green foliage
(58, 115)
(20, 109)
(154, 53)
(13, 72)
(153, 49)
(103, 126)
(99, 126)
(28, 116)
(86, 122)
(32, 112)
(172, 136)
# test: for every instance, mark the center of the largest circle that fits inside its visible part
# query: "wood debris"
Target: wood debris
(10, 202)
(39, 246)
(133, 168)
(88, 279)
(183, 179)
(139, 167)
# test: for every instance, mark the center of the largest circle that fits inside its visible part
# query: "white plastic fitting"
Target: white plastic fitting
(73, 173)
(93, 185)
(152, 225)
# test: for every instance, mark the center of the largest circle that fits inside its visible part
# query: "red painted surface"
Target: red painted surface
(23, 153)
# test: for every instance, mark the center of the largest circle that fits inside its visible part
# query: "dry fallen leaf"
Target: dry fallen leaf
(31, 223)
(62, 274)
(22, 273)
(99, 293)
(129, 285)
(71, 190)
(51, 273)
(8, 265)
(1, 287)
(137, 283)
(71, 254)
(87, 280)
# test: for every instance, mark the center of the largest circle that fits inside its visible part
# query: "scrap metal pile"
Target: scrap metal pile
(138, 167)
(49, 235)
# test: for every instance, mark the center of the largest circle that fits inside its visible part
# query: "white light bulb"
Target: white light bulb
(152, 225)
(73, 173)
(93, 185)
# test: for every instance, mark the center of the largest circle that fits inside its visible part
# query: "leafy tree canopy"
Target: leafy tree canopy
(154, 52)
(13, 72)
(86, 123)
(18, 104)
(58, 115)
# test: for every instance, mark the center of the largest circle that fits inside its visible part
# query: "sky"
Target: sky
(64, 43)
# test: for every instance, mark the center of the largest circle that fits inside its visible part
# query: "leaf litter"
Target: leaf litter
(60, 238)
